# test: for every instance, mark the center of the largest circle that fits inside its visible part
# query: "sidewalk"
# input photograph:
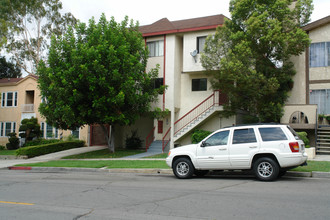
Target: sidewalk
(48, 157)
(56, 156)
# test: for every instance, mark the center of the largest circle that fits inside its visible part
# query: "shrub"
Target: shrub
(29, 129)
(41, 141)
(303, 136)
(198, 135)
(133, 142)
(33, 151)
(13, 142)
(2, 147)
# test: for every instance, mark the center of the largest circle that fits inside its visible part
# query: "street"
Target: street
(100, 195)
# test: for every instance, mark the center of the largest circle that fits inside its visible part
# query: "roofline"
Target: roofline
(20, 81)
(181, 30)
(317, 24)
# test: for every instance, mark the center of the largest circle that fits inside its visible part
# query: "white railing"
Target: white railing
(28, 108)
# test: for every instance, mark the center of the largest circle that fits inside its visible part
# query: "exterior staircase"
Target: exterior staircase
(186, 129)
(323, 140)
(196, 116)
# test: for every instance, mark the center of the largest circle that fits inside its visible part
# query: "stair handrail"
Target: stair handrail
(164, 141)
(197, 111)
(150, 138)
(215, 99)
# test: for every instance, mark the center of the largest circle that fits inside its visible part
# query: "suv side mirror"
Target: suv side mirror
(203, 144)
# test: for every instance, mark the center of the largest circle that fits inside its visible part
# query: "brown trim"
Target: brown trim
(181, 30)
(307, 73)
(319, 81)
(317, 24)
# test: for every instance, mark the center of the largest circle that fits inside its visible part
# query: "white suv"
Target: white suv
(269, 150)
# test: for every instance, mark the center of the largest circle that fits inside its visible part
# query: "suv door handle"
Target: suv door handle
(223, 148)
(253, 146)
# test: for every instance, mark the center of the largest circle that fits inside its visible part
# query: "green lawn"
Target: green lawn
(105, 154)
(157, 164)
(7, 152)
(163, 155)
(321, 166)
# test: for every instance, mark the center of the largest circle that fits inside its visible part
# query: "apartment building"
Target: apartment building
(310, 96)
(176, 46)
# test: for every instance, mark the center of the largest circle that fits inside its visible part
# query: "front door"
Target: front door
(213, 152)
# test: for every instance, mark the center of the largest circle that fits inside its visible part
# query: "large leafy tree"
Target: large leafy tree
(95, 74)
(8, 69)
(249, 57)
(26, 27)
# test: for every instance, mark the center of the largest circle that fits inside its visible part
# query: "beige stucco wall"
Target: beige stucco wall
(189, 45)
(298, 93)
(143, 126)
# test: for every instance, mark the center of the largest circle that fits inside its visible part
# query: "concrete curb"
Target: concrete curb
(313, 174)
(116, 170)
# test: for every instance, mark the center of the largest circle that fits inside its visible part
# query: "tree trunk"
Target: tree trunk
(110, 140)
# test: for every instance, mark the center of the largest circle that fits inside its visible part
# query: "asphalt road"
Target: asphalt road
(86, 195)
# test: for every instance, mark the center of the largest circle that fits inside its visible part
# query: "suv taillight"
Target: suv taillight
(294, 146)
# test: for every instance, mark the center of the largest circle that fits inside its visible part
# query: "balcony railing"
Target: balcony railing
(28, 108)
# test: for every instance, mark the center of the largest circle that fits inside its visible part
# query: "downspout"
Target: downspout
(164, 68)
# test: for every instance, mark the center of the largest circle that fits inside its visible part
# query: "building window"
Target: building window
(47, 131)
(158, 83)
(156, 48)
(322, 99)
(75, 133)
(9, 99)
(6, 128)
(319, 54)
(199, 84)
(200, 44)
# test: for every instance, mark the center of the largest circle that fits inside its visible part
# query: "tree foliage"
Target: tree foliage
(29, 129)
(95, 74)
(26, 27)
(8, 69)
(249, 57)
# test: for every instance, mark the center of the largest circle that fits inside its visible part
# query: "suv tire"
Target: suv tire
(266, 169)
(183, 168)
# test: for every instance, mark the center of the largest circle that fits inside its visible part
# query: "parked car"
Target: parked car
(269, 150)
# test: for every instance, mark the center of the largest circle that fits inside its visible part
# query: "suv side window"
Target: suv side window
(243, 136)
(272, 134)
(220, 138)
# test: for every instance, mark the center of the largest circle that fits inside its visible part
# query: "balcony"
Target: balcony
(300, 116)
(28, 108)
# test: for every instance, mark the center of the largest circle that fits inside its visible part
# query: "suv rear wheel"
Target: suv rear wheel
(266, 169)
(183, 168)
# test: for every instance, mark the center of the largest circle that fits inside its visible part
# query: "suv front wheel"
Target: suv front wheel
(183, 168)
(266, 169)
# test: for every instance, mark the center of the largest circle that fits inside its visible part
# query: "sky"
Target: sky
(149, 11)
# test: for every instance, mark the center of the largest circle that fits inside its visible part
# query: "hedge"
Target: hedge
(34, 151)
